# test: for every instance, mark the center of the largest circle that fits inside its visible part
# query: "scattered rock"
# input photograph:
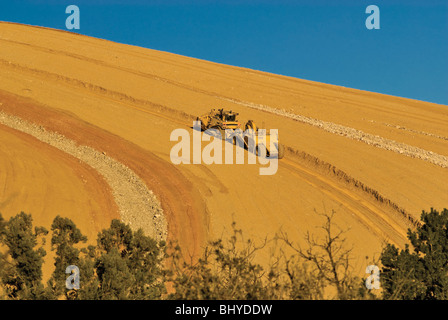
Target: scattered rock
(138, 206)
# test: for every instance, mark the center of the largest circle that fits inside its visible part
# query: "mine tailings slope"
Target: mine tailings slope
(376, 160)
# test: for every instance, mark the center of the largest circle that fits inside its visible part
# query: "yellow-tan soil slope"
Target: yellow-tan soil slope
(125, 101)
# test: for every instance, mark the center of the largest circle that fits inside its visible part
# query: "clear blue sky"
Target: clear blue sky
(324, 41)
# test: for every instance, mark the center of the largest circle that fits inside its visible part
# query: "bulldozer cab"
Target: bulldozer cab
(227, 115)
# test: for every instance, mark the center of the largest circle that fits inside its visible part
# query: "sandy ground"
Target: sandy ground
(38, 179)
(125, 101)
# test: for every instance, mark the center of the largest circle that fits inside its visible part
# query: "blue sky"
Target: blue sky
(324, 41)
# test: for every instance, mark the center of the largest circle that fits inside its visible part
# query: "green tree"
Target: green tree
(420, 273)
(3, 257)
(128, 260)
(89, 283)
(145, 259)
(114, 275)
(65, 235)
(22, 265)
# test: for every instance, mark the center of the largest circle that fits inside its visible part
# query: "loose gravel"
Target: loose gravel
(138, 206)
(351, 133)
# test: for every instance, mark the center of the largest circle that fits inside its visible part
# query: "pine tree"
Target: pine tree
(420, 273)
(65, 235)
(22, 265)
(133, 259)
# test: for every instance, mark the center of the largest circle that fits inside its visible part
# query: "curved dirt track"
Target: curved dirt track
(137, 205)
(125, 101)
(171, 189)
(39, 179)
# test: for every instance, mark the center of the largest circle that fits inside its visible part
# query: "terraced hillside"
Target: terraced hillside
(85, 128)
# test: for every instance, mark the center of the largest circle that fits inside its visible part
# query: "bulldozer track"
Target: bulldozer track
(375, 160)
(371, 217)
(299, 93)
(375, 220)
(348, 132)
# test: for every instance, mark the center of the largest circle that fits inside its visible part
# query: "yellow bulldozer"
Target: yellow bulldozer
(222, 120)
(259, 140)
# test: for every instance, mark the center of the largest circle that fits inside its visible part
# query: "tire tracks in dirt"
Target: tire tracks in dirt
(183, 207)
(387, 230)
(137, 205)
(358, 135)
(204, 70)
(371, 217)
(348, 132)
(423, 133)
